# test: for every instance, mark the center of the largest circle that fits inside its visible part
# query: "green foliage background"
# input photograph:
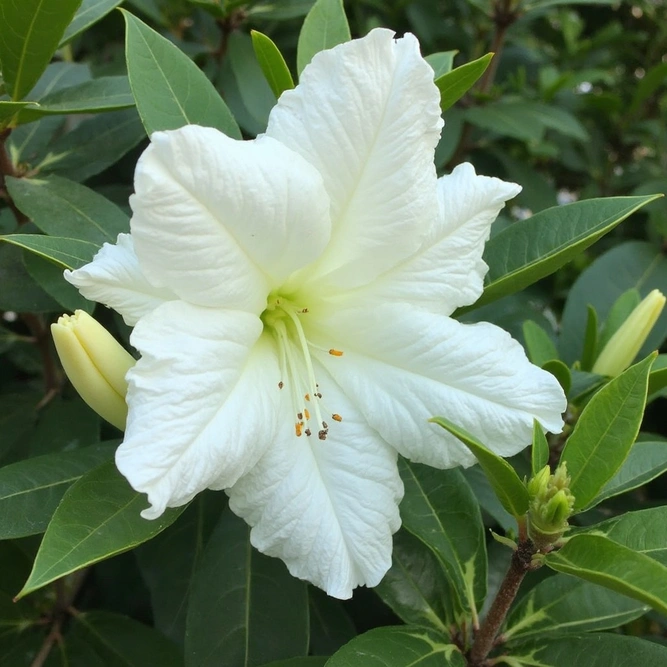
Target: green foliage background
(573, 107)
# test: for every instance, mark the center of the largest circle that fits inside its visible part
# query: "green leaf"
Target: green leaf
(440, 509)
(415, 587)
(71, 253)
(108, 93)
(564, 604)
(402, 646)
(26, 48)
(561, 372)
(89, 13)
(30, 490)
(644, 531)
(488, 500)
(119, 641)
(531, 249)
(511, 491)
(259, 611)
(441, 62)
(647, 460)
(307, 661)
(272, 63)
(594, 650)
(657, 380)
(455, 84)
(9, 109)
(60, 207)
(324, 27)
(330, 625)
(634, 264)
(169, 89)
(539, 456)
(591, 346)
(538, 343)
(94, 145)
(169, 561)
(98, 517)
(253, 87)
(605, 432)
(602, 561)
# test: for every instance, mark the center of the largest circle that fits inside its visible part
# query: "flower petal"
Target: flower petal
(448, 271)
(327, 508)
(221, 222)
(366, 114)
(114, 278)
(476, 375)
(201, 402)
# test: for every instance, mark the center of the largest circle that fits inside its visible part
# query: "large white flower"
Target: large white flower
(290, 297)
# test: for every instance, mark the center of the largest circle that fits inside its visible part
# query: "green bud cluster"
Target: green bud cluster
(551, 504)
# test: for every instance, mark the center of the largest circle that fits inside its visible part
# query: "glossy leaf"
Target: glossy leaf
(89, 13)
(26, 48)
(98, 517)
(562, 604)
(415, 587)
(591, 346)
(594, 650)
(633, 264)
(272, 63)
(602, 561)
(305, 661)
(657, 380)
(440, 509)
(488, 500)
(539, 456)
(259, 611)
(330, 625)
(403, 646)
(441, 62)
(605, 432)
(70, 253)
(324, 27)
(534, 248)
(561, 372)
(509, 488)
(455, 84)
(538, 343)
(30, 490)
(60, 207)
(9, 109)
(169, 89)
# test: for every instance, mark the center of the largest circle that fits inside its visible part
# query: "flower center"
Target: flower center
(282, 319)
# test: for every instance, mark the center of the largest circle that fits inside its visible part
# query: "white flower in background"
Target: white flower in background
(290, 297)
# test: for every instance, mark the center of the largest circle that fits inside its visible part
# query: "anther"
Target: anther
(280, 385)
(318, 395)
(307, 397)
(299, 416)
(335, 353)
(297, 428)
(322, 435)
(305, 412)
(336, 417)
(307, 432)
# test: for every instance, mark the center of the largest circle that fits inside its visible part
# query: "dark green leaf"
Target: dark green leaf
(634, 264)
(441, 62)
(330, 625)
(31, 490)
(88, 14)
(306, 661)
(657, 380)
(71, 253)
(488, 500)
(440, 509)
(564, 604)
(415, 587)
(605, 432)
(539, 346)
(540, 450)
(26, 48)
(98, 517)
(169, 89)
(561, 372)
(9, 109)
(511, 491)
(403, 646)
(272, 63)
(590, 352)
(259, 611)
(532, 249)
(60, 207)
(602, 561)
(324, 27)
(455, 84)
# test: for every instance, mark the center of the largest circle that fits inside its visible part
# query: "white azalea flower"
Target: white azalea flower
(290, 297)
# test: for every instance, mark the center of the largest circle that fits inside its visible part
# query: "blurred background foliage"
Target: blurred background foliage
(573, 106)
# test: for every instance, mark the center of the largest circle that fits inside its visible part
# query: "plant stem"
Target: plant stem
(485, 638)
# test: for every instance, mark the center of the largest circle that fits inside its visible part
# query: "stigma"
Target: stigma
(297, 374)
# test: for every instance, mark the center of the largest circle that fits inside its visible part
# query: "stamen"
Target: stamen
(305, 412)
(335, 353)
(280, 385)
(307, 397)
(298, 426)
(336, 417)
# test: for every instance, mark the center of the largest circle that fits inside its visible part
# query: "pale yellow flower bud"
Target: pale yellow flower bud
(625, 344)
(95, 363)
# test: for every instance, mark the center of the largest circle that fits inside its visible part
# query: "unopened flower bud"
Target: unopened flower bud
(95, 363)
(625, 344)
(550, 507)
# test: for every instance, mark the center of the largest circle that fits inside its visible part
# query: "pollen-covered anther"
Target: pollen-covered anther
(280, 385)
(298, 427)
(307, 397)
(336, 417)
(305, 412)
(335, 353)
(322, 435)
